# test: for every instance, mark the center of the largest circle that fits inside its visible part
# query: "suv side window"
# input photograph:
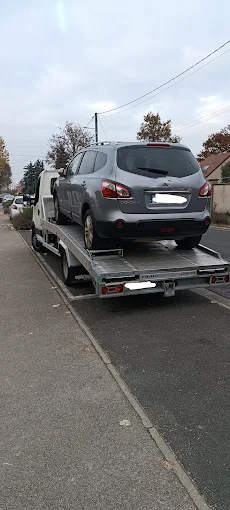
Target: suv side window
(101, 161)
(87, 164)
(73, 166)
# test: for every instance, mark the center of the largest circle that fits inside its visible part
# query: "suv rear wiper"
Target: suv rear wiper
(156, 170)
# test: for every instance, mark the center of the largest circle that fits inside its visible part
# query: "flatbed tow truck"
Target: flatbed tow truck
(140, 268)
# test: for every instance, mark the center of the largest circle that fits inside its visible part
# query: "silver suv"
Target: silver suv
(134, 191)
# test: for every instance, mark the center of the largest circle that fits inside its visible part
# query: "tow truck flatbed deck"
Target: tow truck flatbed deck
(142, 266)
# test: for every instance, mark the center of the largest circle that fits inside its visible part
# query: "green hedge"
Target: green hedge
(23, 221)
(6, 206)
(221, 218)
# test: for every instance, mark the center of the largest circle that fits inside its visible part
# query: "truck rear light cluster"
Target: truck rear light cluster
(116, 289)
(220, 279)
(111, 189)
(206, 190)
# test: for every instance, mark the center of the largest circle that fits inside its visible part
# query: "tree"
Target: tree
(30, 177)
(154, 130)
(64, 145)
(217, 143)
(5, 170)
(225, 172)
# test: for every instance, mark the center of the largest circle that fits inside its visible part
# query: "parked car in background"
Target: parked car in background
(134, 191)
(16, 206)
(32, 199)
(7, 197)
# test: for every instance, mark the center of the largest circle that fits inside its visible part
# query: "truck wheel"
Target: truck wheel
(37, 245)
(91, 238)
(60, 218)
(188, 242)
(66, 270)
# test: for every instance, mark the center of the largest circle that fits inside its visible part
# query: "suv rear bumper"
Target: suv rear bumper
(154, 229)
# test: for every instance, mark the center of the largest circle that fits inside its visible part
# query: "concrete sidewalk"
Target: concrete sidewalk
(62, 444)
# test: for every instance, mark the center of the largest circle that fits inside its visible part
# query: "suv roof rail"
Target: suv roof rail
(103, 143)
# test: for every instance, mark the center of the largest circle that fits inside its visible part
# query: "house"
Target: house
(211, 166)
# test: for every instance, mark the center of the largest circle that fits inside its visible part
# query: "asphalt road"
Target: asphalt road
(174, 355)
(218, 239)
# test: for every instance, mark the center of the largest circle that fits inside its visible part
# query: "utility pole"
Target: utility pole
(96, 128)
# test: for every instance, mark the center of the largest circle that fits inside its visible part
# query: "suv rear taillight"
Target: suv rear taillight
(206, 190)
(14, 206)
(111, 189)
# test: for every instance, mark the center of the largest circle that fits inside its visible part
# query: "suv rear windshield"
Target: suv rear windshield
(19, 200)
(157, 161)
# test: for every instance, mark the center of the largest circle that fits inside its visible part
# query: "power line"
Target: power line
(211, 115)
(169, 81)
(167, 88)
(202, 119)
(106, 137)
(89, 122)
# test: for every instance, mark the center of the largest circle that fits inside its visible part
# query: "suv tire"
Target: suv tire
(188, 242)
(60, 218)
(91, 238)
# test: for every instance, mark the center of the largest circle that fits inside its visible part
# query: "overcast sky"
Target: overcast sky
(64, 60)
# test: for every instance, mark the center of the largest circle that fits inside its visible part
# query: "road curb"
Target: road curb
(166, 451)
(219, 226)
(178, 469)
(216, 299)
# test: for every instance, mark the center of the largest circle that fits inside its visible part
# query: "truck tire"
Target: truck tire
(66, 270)
(37, 245)
(188, 242)
(60, 218)
(91, 238)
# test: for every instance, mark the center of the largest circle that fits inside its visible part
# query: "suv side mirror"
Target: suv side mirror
(62, 172)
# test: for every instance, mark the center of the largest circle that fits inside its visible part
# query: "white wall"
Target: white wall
(221, 198)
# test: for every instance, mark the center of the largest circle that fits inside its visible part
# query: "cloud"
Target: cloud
(61, 16)
(101, 106)
(64, 60)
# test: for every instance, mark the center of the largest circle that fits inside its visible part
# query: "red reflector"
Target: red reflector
(214, 279)
(119, 223)
(158, 145)
(207, 220)
(226, 278)
(168, 229)
(14, 207)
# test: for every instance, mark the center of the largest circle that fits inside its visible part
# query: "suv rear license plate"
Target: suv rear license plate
(167, 198)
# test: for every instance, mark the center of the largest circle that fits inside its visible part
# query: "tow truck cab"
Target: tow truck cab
(43, 208)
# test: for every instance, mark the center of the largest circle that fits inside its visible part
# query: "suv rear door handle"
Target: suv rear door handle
(83, 184)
